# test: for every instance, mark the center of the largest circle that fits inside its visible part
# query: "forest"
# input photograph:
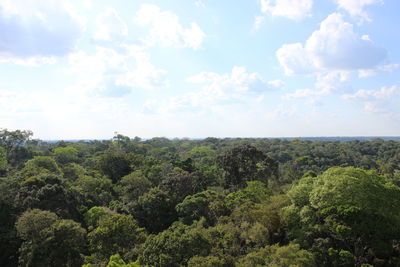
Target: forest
(128, 202)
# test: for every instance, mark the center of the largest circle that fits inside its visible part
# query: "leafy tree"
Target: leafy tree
(49, 241)
(208, 204)
(9, 243)
(275, 256)
(117, 261)
(246, 163)
(114, 165)
(174, 246)
(48, 192)
(95, 191)
(65, 155)
(3, 160)
(353, 209)
(132, 186)
(12, 142)
(179, 184)
(155, 210)
(255, 191)
(40, 165)
(115, 234)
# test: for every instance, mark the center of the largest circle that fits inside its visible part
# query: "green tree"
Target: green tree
(65, 155)
(275, 256)
(132, 186)
(208, 204)
(40, 165)
(155, 210)
(353, 209)
(174, 246)
(49, 241)
(114, 165)
(246, 163)
(115, 234)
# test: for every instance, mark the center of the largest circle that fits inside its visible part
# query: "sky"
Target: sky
(86, 69)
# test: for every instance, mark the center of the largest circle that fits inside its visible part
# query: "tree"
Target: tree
(48, 192)
(155, 210)
(174, 247)
(246, 163)
(3, 160)
(208, 204)
(351, 209)
(41, 164)
(49, 241)
(117, 233)
(114, 165)
(275, 256)
(179, 184)
(132, 186)
(65, 155)
(12, 142)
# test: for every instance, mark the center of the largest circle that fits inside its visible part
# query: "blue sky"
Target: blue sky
(199, 68)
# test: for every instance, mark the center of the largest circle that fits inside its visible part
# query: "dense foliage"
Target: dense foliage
(211, 202)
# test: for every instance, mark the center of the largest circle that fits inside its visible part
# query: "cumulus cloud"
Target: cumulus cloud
(110, 26)
(335, 46)
(218, 89)
(166, 30)
(356, 7)
(34, 32)
(381, 94)
(371, 72)
(292, 9)
(113, 73)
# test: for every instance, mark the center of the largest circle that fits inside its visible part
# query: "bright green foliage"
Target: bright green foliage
(275, 256)
(115, 234)
(208, 204)
(132, 186)
(356, 209)
(96, 191)
(255, 191)
(49, 241)
(117, 261)
(39, 165)
(95, 215)
(209, 261)
(174, 246)
(65, 155)
(3, 159)
(72, 171)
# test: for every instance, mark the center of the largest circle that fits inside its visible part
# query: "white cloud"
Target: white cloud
(371, 72)
(110, 25)
(277, 83)
(381, 94)
(258, 21)
(229, 88)
(112, 73)
(34, 32)
(281, 112)
(166, 30)
(334, 47)
(356, 7)
(370, 107)
(292, 9)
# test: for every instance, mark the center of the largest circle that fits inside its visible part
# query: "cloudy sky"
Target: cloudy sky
(197, 68)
